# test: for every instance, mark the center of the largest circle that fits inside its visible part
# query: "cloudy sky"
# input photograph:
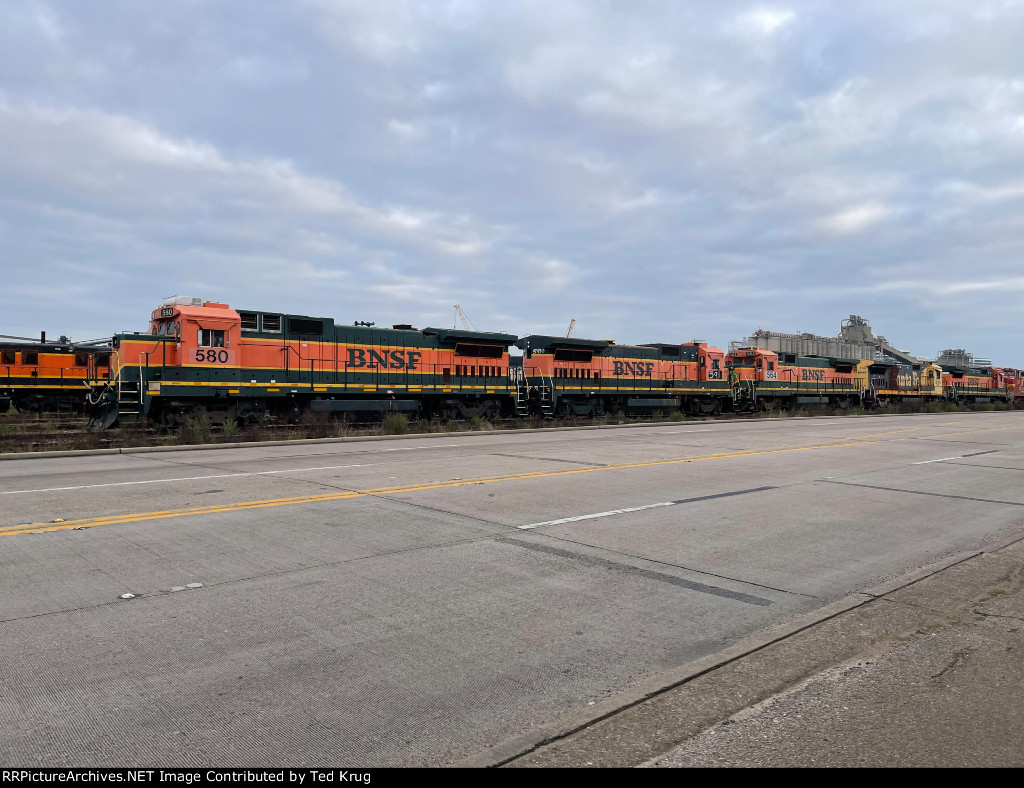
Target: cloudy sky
(658, 171)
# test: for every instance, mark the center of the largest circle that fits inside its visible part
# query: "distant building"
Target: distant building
(955, 357)
(855, 340)
(958, 357)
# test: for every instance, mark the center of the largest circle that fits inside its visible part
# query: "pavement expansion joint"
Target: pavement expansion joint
(618, 566)
(683, 567)
(922, 492)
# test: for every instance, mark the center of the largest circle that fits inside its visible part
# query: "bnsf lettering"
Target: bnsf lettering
(637, 369)
(973, 382)
(814, 374)
(384, 359)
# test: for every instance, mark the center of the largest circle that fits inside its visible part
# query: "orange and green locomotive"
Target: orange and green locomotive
(202, 357)
(589, 377)
(49, 376)
(980, 384)
(764, 380)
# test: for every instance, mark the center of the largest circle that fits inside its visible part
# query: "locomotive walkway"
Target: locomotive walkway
(604, 597)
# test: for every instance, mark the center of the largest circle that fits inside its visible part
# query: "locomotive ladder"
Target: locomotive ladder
(129, 398)
(547, 404)
(522, 396)
(542, 386)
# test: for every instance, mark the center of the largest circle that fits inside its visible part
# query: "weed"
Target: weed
(395, 424)
(196, 429)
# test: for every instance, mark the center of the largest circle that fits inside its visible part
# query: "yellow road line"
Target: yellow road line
(32, 528)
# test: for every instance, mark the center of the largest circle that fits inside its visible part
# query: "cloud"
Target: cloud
(142, 156)
(855, 219)
(655, 171)
(764, 21)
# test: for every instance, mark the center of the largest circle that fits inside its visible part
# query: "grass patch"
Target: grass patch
(196, 429)
(395, 424)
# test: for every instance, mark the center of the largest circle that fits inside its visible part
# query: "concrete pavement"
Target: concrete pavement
(434, 601)
(926, 671)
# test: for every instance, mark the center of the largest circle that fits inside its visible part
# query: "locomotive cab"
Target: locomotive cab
(753, 363)
(931, 380)
(192, 333)
(710, 362)
(202, 334)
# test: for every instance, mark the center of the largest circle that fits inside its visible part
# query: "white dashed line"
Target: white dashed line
(599, 514)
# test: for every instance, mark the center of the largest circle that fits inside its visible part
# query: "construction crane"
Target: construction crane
(466, 322)
(572, 328)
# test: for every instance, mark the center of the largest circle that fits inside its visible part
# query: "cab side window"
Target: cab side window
(7, 357)
(211, 337)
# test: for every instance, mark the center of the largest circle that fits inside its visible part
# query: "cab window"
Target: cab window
(211, 337)
(716, 363)
(7, 357)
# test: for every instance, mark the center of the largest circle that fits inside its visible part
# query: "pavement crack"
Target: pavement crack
(958, 659)
(551, 459)
(996, 615)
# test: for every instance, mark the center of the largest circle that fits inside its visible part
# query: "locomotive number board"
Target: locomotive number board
(212, 355)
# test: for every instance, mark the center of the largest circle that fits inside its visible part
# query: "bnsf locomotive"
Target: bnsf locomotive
(202, 357)
(37, 375)
(762, 379)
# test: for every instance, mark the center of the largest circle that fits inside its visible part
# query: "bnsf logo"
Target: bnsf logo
(814, 374)
(637, 369)
(385, 359)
